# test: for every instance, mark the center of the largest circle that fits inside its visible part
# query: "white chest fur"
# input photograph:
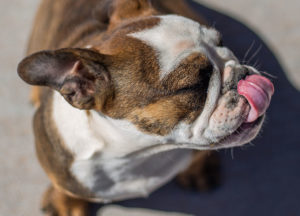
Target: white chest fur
(108, 154)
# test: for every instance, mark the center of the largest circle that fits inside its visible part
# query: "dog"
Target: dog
(125, 91)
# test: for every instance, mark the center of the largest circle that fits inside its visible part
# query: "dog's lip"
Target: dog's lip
(243, 134)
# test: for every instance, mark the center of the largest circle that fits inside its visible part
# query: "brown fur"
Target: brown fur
(186, 98)
(203, 173)
(57, 203)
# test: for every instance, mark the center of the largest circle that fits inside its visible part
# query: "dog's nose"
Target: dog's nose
(231, 75)
(258, 91)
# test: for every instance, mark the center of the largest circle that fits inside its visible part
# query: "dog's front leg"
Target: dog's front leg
(204, 172)
(56, 203)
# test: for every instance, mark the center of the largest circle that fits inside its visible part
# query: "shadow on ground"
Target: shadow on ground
(263, 178)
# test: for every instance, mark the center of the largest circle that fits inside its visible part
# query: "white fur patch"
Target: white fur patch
(86, 135)
(73, 126)
(175, 38)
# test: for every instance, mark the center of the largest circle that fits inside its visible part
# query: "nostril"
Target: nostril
(242, 74)
(246, 72)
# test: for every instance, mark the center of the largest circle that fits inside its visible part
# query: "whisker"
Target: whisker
(256, 64)
(232, 153)
(268, 74)
(255, 53)
(251, 144)
(248, 51)
(213, 25)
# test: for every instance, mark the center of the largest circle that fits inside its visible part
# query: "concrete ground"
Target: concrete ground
(263, 178)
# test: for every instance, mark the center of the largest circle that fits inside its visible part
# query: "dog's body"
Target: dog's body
(57, 112)
(133, 100)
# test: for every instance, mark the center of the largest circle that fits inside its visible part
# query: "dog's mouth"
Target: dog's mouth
(257, 90)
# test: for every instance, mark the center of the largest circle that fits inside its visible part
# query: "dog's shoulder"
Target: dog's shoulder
(181, 8)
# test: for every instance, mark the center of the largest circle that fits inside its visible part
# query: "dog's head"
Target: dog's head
(168, 76)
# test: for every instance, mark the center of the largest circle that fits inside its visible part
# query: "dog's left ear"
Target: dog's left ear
(80, 75)
(113, 12)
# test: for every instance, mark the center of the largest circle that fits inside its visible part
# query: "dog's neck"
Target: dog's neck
(86, 133)
(119, 153)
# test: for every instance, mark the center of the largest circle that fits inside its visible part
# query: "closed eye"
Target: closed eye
(188, 89)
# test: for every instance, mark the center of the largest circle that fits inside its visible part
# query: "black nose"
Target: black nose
(237, 74)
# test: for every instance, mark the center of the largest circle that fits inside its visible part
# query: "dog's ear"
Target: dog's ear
(79, 75)
(113, 12)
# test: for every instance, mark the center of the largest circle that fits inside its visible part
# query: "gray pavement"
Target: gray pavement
(22, 181)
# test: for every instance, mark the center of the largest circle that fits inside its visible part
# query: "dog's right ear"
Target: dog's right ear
(80, 75)
(113, 12)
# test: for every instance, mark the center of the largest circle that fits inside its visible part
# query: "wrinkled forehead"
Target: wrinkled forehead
(174, 38)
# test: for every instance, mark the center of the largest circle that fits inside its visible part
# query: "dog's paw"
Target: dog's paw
(204, 172)
(47, 205)
(55, 203)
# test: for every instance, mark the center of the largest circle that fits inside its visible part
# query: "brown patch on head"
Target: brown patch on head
(181, 98)
(162, 116)
(195, 70)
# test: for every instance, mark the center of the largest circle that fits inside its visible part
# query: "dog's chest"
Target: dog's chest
(118, 179)
(110, 162)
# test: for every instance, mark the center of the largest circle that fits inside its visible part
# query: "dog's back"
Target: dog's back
(57, 23)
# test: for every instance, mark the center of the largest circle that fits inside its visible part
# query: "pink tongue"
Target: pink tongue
(258, 91)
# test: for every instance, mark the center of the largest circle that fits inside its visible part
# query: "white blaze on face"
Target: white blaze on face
(175, 38)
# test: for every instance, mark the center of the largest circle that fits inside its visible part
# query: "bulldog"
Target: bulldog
(128, 88)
